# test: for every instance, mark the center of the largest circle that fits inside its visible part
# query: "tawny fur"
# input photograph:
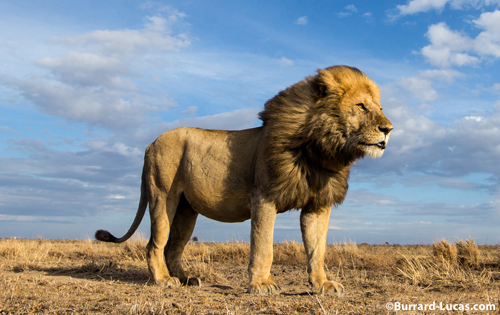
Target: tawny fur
(299, 159)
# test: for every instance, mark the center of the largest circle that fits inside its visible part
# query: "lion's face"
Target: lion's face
(348, 118)
(366, 127)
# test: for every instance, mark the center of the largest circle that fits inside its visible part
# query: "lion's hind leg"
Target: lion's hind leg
(180, 233)
(162, 211)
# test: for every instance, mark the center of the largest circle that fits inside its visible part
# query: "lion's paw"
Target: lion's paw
(266, 287)
(329, 288)
(170, 282)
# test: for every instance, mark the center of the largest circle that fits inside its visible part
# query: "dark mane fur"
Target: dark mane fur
(308, 163)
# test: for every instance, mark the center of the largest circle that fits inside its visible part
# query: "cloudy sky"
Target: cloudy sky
(85, 86)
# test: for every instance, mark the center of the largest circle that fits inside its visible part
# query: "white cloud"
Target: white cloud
(412, 134)
(475, 118)
(441, 35)
(443, 74)
(303, 20)
(475, 4)
(155, 36)
(418, 144)
(80, 190)
(487, 43)
(448, 47)
(25, 218)
(5, 129)
(94, 105)
(285, 62)
(93, 82)
(420, 88)
(418, 6)
(351, 7)
(368, 16)
(116, 147)
(343, 14)
(88, 69)
(116, 197)
(233, 120)
(191, 111)
(350, 10)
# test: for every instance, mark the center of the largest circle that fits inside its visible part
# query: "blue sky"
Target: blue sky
(85, 86)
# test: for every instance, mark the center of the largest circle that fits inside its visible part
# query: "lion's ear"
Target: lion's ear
(320, 87)
(327, 84)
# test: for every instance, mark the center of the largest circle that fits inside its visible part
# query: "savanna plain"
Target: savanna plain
(39, 276)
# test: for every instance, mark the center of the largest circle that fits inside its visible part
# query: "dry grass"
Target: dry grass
(343, 255)
(449, 266)
(88, 277)
(468, 253)
(445, 251)
(289, 253)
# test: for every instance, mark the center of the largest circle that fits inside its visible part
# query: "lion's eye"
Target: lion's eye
(361, 106)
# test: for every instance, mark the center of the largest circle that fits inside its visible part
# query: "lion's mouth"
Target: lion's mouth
(380, 144)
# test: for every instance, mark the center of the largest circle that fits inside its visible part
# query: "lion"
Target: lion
(300, 158)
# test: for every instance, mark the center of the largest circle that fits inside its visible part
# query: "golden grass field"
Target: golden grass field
(39, 276)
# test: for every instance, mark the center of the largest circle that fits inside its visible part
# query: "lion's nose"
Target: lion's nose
(385, 129)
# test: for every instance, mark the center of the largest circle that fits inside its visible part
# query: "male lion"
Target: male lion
(299, 159)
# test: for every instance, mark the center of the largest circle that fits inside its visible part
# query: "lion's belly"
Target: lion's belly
(217, 193)
(220, 208)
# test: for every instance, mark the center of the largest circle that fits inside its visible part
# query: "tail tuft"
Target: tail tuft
(105, 236)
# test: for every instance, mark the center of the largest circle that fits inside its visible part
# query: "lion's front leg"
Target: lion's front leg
(314, 226)
(261, 247)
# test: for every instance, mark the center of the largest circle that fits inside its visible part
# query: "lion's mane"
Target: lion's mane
(307, 152)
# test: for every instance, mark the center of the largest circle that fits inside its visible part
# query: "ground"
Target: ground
(88, 277)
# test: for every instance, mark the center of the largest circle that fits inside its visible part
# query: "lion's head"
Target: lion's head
(337, 112)
(349, 108)
(318, 127)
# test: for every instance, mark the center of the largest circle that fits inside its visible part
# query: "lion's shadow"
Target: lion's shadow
(109, 271)
(113, 273)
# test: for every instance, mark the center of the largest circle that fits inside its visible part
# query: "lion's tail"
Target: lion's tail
(105, 236)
